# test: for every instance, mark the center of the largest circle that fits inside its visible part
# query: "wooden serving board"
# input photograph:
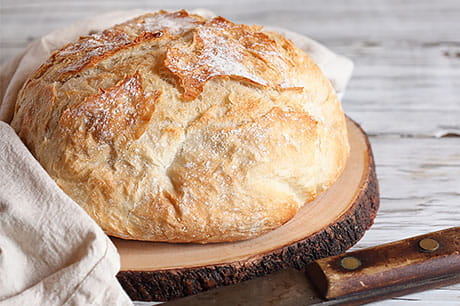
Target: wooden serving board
(325, 227)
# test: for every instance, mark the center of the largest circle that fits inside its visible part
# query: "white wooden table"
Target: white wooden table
(405, 92)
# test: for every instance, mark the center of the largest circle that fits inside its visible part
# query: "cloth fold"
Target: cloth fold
(51, 251)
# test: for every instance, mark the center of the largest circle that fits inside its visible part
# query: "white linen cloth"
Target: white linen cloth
(51, 251)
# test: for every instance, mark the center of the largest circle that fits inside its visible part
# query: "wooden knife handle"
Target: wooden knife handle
(392, 264)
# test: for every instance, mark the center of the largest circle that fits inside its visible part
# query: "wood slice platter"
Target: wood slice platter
(327, 226)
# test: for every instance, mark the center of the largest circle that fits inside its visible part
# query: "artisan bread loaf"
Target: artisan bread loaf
(172, 127)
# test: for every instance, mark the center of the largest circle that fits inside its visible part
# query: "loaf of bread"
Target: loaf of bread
(172, 127)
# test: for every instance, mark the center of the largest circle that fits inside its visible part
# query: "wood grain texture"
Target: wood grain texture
(404, 92)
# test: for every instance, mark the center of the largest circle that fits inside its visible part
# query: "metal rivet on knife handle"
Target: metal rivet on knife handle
(350, 263)
(428, 245)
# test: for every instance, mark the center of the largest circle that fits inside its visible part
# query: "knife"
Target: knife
(393, 269)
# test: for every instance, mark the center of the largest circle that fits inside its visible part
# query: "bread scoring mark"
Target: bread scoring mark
(175, 23)
(74, 57)
(222, 48)
(98, 47)
(119, 113)
(92, 49)
(219, 48)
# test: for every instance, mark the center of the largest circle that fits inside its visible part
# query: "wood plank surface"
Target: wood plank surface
(405, 92)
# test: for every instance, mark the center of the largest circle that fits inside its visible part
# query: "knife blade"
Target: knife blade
(393, 269)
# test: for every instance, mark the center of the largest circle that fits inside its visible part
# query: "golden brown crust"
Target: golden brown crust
(171, 127)
(45, 97)
(120, 113)
(222, 48)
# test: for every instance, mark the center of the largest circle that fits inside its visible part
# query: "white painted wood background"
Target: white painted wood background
(405, 92)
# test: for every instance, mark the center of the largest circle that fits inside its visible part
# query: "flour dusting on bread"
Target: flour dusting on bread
(177, 128)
